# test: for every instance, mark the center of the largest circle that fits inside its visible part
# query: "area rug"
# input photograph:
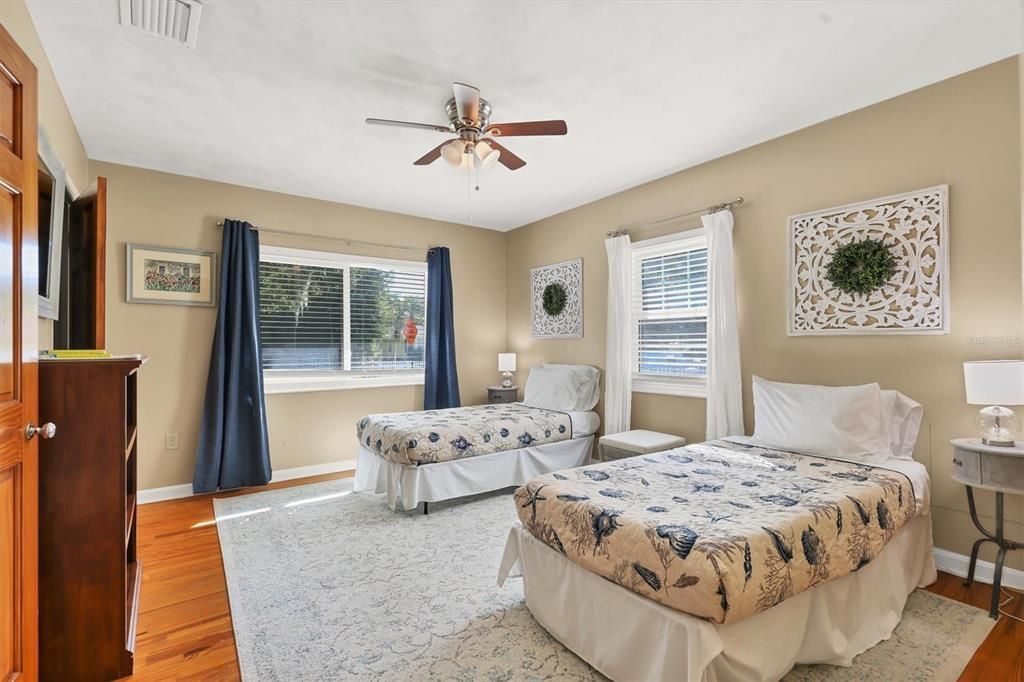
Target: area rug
(326, 584)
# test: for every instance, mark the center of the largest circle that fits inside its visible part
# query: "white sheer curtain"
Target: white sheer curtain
(725, 387)
(618, 371)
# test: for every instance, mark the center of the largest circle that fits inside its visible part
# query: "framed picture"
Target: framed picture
(157, 274)
(557, 300)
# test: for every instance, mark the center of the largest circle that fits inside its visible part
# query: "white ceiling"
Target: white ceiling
(275, 93)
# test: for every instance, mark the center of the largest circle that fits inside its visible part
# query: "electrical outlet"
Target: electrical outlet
(170, 441)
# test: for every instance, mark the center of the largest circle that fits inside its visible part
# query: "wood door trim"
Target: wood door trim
(101, 263)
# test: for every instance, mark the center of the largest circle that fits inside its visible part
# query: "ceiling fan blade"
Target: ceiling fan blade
(467, 102)
(407, 124)
(506, 158)
(431, 156)
(527, 128)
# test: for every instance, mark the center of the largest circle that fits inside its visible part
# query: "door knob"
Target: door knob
(46, 431)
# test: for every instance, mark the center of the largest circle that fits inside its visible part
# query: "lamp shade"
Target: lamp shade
(452, 152)
(488, 156)
(994, 382)
(506, 362)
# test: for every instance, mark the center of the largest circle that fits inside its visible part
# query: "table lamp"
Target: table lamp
(996, 383)
(506, 365)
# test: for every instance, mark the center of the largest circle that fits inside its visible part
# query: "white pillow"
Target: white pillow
(551, 388)
(832, 421)
(901, 423)
(589, 379)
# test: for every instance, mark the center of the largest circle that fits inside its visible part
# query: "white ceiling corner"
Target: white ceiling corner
(274, 93)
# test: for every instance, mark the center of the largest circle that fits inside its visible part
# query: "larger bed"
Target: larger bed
(721, 561)
(735, 559)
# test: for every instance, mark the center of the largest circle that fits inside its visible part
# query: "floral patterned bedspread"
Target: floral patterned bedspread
(442, 435)
(718, 530)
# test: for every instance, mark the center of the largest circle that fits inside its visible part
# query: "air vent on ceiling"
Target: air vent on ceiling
(174, 19)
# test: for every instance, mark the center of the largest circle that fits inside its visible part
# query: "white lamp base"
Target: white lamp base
(998, 425)
(506, 381)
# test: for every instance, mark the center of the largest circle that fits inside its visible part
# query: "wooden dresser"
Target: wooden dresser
(89, 573)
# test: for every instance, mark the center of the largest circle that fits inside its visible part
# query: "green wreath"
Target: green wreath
(861, 267)
(555, 298)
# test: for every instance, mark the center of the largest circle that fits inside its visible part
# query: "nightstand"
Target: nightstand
(500, 394)
(995, 468)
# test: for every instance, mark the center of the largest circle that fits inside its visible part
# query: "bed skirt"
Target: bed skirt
(628, 637)
(410, 485)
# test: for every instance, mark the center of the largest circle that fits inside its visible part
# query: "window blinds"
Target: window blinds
(301, 316)
(381, 303)
(670, 298)
(356, 316)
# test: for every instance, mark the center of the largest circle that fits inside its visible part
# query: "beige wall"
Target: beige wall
(148, 207)
(54, 117)
(964, 132)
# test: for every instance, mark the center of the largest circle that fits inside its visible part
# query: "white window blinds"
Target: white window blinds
(327, 312)
(670, 299)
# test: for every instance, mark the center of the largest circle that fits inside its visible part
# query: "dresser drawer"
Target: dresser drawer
(966, 466)
(1002, 471)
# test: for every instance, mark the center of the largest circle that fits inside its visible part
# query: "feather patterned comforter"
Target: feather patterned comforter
(442, 435)
(718, 530)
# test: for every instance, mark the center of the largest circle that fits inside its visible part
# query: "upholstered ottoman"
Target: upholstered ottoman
(638, 442)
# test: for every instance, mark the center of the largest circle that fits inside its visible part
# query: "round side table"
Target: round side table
(999, 469)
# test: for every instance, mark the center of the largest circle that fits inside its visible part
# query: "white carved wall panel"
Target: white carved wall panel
(914, 225)
(569, 323)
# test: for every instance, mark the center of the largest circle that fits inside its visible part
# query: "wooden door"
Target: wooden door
(87, 271)
(19, 473)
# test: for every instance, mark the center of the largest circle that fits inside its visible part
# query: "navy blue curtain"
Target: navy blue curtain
(234, 450)
(441, 380)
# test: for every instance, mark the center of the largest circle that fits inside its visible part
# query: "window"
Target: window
(330, 320)
(670, 314)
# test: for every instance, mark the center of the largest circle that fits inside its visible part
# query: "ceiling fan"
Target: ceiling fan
(469, 117)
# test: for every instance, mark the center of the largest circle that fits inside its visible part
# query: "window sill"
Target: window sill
(297, 382)
(687, 388)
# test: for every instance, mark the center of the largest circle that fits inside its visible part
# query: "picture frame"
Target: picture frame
(170, 276)
(567, 277)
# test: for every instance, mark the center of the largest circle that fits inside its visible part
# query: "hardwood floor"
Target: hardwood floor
(184, 630)
(1001, 656)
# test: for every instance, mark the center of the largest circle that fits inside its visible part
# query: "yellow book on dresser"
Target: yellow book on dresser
(74, 354)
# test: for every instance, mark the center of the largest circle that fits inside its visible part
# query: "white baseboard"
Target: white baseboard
(174, 492)
(954, 563)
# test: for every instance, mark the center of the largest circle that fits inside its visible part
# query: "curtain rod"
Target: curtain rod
(705, 211)
(346, 240)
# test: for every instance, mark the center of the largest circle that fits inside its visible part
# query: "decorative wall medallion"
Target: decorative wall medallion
(907, 295)
(558, 300)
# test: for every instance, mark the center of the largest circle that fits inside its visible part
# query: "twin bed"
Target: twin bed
(435, 455)
(725, 560)
(721, 561)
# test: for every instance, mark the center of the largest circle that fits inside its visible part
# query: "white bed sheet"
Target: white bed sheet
(584, 423)
(914, 470)
(411, 485)
(628, 637)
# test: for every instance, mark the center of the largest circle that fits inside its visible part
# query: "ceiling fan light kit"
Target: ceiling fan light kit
(469, 117)
(488, 155)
